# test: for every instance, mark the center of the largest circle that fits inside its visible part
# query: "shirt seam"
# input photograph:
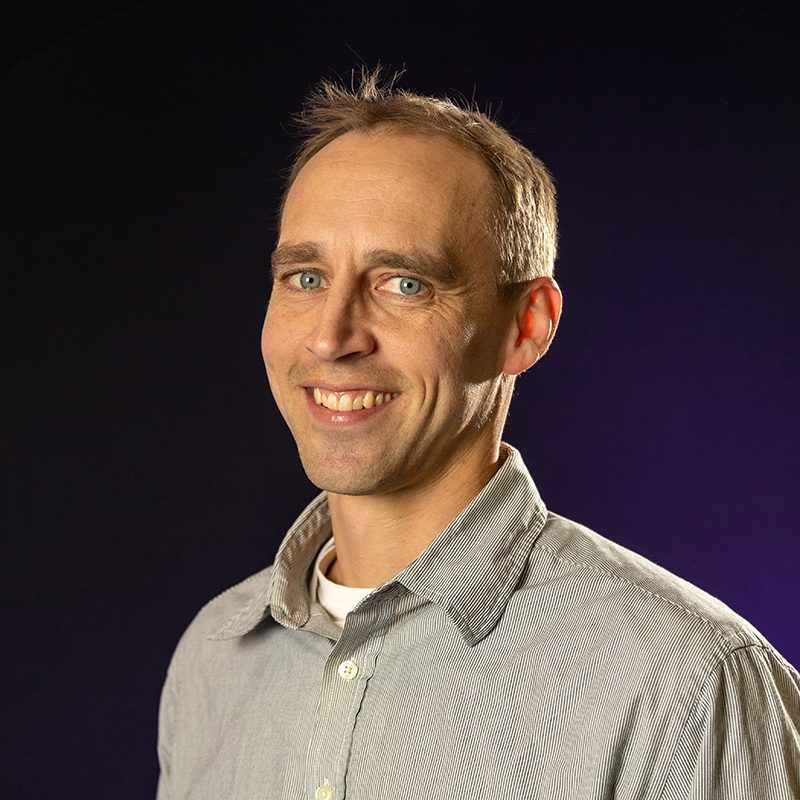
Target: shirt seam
(714, 669)
(621, 579)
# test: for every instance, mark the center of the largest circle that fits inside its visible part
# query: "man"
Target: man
(428, 629)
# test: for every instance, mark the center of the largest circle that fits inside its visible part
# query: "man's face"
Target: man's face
(384, 340)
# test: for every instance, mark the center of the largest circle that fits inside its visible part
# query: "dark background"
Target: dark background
(147, 466)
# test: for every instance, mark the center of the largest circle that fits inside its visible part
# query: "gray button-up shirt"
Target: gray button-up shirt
(520, 655)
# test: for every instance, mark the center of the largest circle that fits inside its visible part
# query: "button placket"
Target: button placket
(353, 656)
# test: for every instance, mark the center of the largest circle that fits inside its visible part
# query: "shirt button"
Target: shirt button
(348, 670)
(324, 792)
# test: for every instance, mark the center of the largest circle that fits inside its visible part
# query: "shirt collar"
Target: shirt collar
(473, 566)
(470, 569)
(284, 590)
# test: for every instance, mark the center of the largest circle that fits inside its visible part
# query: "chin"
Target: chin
(339, 478)
(337, 484)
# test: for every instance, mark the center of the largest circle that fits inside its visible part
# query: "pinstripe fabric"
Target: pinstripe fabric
(521, 655)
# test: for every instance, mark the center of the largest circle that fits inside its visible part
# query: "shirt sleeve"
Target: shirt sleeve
(742, 738)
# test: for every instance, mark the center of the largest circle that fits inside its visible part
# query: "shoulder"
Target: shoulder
(647, 596)
(647, 638)
(247, 598)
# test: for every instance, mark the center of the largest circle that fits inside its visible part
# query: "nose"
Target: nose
(342, 328)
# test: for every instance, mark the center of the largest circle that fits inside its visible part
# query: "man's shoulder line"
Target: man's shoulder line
(646, 577)
(225, 604)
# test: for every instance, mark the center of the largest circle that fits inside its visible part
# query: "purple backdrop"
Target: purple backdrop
(148, 467)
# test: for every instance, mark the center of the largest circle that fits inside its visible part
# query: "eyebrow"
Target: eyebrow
(292, 255)
(417, 262)
(414, 260)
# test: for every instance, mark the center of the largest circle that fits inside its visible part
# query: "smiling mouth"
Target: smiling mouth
(352, 400)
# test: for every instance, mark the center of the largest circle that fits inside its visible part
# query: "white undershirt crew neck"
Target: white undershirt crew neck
(337, 600)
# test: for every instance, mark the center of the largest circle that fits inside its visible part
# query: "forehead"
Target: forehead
(381, 185)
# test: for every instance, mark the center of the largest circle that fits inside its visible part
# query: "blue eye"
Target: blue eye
(405, 285)
(306, 280)
(410, 286)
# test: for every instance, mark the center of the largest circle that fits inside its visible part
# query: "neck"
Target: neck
(378, 535)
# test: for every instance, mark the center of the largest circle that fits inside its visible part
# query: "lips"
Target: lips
(352, 399)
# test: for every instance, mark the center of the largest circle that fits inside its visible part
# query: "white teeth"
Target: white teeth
(351, 402)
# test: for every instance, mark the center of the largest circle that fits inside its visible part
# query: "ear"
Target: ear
(535, 321)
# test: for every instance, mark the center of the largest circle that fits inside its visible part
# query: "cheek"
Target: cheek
(441, 357)
(277, 338)
(268, 346)
(268, 343)
(449, 332)
(471, 354)
(269, 357)
(276, 352)
(485, 352)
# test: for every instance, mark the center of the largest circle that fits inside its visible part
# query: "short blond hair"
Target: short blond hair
(524, 221)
